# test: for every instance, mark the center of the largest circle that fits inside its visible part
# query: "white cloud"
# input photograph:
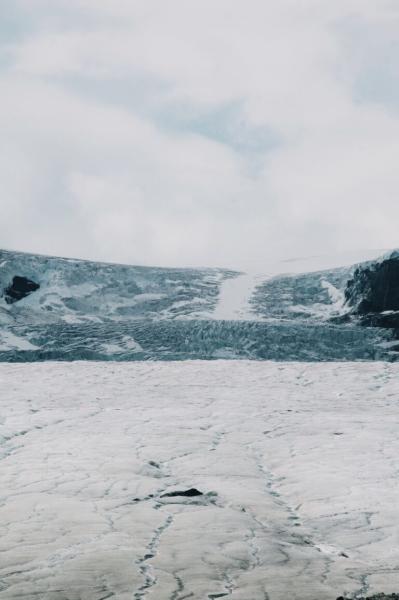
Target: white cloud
(114, 118)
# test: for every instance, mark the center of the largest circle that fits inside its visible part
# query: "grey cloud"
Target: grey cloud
(196, 133)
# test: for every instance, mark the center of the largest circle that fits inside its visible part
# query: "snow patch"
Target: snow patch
(235, 295)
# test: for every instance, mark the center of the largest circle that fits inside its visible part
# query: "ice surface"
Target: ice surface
(9, 342)
(296, 464)
(78, 290)
(292, 310)
(284, 339)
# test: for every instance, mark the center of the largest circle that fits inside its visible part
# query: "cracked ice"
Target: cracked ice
(167, 481)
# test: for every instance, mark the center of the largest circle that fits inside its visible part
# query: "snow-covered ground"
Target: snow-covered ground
(297, 464)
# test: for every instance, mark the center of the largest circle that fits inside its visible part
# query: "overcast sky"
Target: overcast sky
(199, 132)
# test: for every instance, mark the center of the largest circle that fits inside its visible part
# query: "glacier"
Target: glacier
(83, 310)
(173, 434)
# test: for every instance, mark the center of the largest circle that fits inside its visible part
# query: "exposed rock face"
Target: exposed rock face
(373, 290)
(20, 288)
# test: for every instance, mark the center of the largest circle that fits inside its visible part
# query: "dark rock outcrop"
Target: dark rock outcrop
(19, 288)
(373, 293)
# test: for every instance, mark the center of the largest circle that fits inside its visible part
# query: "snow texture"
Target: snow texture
(169, 481)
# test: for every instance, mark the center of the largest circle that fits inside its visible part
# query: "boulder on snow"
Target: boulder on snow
(19, 288)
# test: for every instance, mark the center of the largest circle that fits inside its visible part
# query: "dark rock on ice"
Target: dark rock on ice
(186, 493)
(20, 288)
(374, 287)
(388, 320)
